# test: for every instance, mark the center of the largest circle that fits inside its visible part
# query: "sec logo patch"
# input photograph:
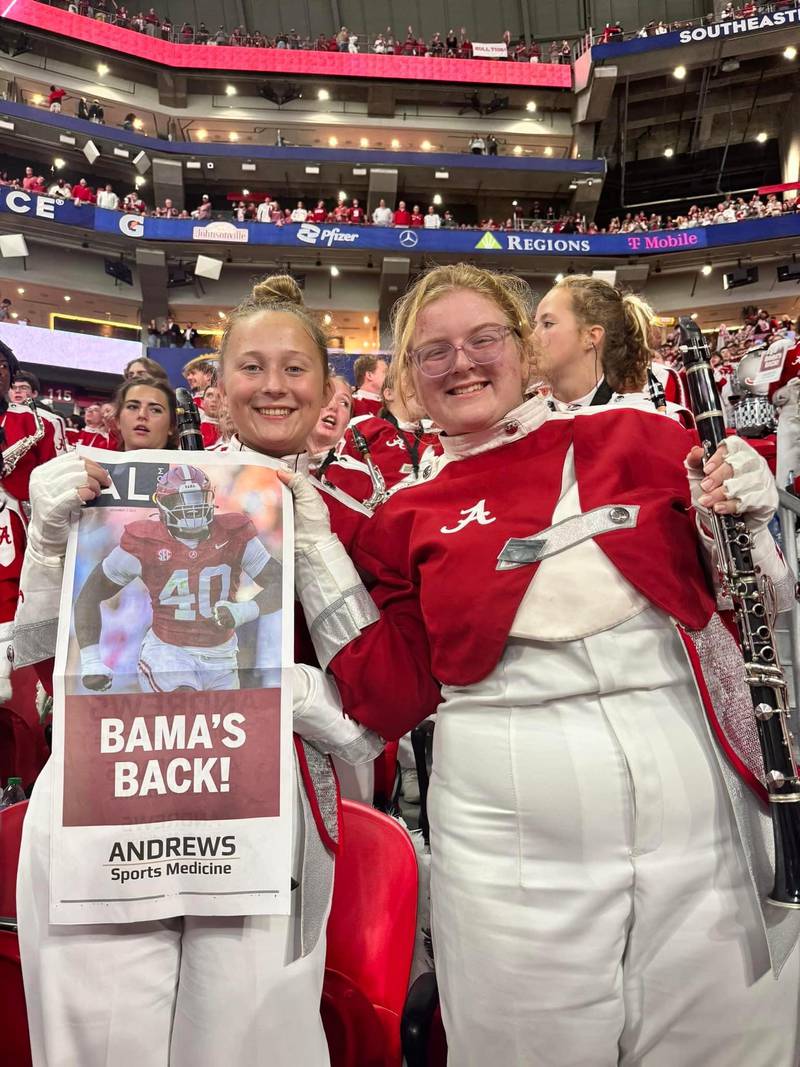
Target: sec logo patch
(164, 555)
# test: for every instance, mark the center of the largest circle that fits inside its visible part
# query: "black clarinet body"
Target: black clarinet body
(752, 598)
(189, 437)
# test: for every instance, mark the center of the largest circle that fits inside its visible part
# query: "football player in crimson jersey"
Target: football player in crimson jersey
(191, 562)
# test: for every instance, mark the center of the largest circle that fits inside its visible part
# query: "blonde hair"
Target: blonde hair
(278, 292)
(627, 321)
(511, 295)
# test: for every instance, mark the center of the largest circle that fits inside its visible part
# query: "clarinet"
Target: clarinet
(189, 437)
(378, 484)
(753, 603)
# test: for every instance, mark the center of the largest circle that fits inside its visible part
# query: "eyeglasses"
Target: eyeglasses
(438, 358)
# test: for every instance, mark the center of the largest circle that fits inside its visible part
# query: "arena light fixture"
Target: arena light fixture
(138, 124)
(230, 90)
(248, 167)
(342, 195)
(706, 269)
(312, 170)
(13, 245)
(573, 186)
(517, 149)
(437, 198)
(365, 320)
(679, 72)
(761, 137)
(333, 141)
(395, 143)
(245, 192)
(37, 99)
(21, 291)
(334, 272)
(91, 151)
(233, 136)
(63, 138)
(559, 278)
(59, 163)
(531, 105)
(548, 151)
(515, 203)
(222, 314)
(323, 94)
(67, 297)
(359, 172)
(139, 181)
(193, 164)
(790, 52)
(327, 320)
(201, 134)
(102, 69)
(14, 315)
(426, 145)
(442, 175)
(669, 152)
(364, 142)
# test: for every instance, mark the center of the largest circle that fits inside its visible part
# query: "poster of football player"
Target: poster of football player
(173, 749)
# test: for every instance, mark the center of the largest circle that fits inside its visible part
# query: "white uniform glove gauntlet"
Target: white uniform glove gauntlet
(752, 485)
(319, 719)
(54, 500)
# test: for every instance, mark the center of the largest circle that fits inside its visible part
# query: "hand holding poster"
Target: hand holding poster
(172, 745)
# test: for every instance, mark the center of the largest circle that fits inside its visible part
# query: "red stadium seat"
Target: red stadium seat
(371, 934)
(13, 1016)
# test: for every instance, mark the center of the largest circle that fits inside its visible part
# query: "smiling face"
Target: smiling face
(333, 418)
(468, 397)
(144, 418)
(273, 381)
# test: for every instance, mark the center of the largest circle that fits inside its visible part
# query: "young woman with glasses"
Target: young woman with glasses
(600, 845)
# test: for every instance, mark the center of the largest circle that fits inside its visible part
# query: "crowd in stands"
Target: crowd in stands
(451, 45)
(613, 31)
(536, 216)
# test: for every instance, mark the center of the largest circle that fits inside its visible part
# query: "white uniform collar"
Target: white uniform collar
(516, 424)
(575, 405)
(365, 394)
(298, 463)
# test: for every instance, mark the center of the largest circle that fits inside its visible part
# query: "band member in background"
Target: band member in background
(600, 846)
(25, 389)
(369, 373)
(209, 416)
(94, 432)
(196, 992)
(199, 373)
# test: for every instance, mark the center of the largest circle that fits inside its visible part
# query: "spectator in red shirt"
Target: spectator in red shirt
(341, 213)
(417, 218)
(81, 193)
(357, 214)
(30, 182)
(402, 217)
(319, 213)
(54, 98)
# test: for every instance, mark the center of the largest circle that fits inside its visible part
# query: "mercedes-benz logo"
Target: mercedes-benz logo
(408, 239)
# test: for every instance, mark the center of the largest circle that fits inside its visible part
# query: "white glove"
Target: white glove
(94, 673)
(752, 485)
(319, 719)
(54, 500)
(312, 524)
(231, 614)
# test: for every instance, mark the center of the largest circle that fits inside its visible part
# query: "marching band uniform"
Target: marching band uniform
(396, 447)
(671, 382)
(93, 438)
(785, 395)
(366, 403)
(599, 835)
(191, 991)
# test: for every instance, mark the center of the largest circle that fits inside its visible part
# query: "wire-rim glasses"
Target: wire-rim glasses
(483, 347)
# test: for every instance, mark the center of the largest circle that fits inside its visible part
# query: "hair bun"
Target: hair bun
(278, 288)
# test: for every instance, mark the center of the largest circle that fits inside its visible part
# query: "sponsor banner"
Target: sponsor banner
(171, 726)
(490, 51)
(411, 241)
(49, 208)
(773, 21)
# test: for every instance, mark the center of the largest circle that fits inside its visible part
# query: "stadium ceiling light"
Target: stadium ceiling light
(201, 134)
(761, 137)
(333, 141)
(426, 146)
(669, 152)
(102, 69)
(395, 143)
(230, 90)
(327, 320)
(233, 136)
(37, 99)
(559, 278)
(366, 320)
(706, 268)
(67, 297)
(548, 151)
(517, 149)
(139, 181)
(323, 94)
(342, 195)
(14, 315)
(138, 124)
(790, 52)
(515, 203)
(364, 142)
(245, 192)
(222, 314)
(59, 163)
(693, 316)
(531, 105)
(334, 272)
(21, 291)
(679, 72)
(437, 198)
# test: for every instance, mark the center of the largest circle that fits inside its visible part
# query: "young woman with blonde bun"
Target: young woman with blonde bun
(594, 347)
(198, 992)
(601, 848)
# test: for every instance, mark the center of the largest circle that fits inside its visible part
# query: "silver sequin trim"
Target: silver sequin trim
(321, 772)
(724, 674)
(34, 642)
(518, 551)
(341, 622)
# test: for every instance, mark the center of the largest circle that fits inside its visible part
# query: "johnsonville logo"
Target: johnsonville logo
(220, 231)
(660, 241)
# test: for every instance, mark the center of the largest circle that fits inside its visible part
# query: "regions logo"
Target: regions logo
(488, 241)
(311, 235)
(221, 231)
